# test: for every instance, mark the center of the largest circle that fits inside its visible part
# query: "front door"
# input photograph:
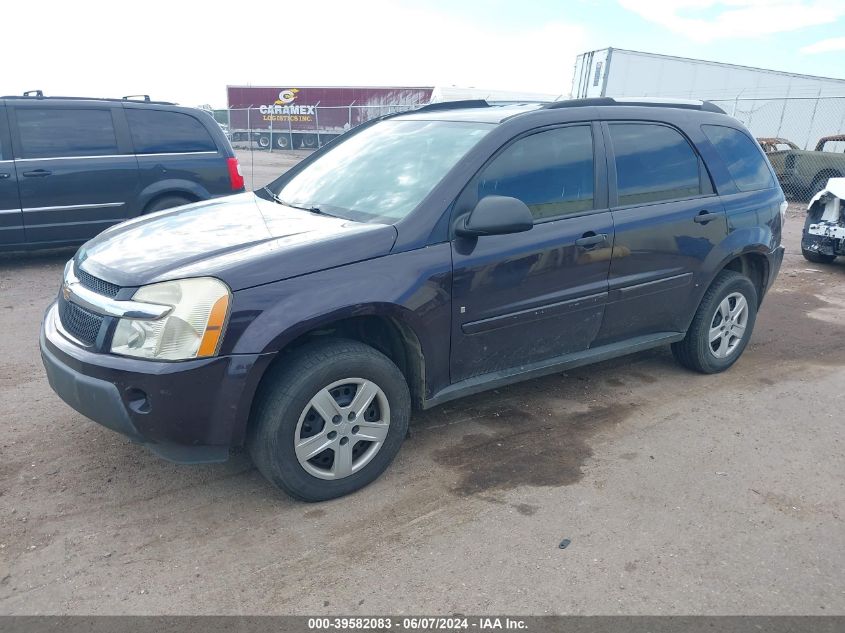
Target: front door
(11, 217)
(668, 220)
(75, 178)
(529, 297)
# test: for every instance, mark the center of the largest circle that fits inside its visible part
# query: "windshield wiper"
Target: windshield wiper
(295, 206)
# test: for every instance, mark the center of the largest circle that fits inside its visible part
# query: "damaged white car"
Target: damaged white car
(824, 228)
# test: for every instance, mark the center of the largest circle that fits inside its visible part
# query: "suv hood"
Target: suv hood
(242, 239)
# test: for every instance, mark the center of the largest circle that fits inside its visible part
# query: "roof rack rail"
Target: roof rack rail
(453, 105)
(688, 104)
(131, 97)
(38, 94)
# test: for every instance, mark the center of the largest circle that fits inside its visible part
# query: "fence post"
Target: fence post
(317, 122)
(782, 113)
(812, 120)
(290, 134)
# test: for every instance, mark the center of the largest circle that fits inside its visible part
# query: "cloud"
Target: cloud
(188, 51)
(824, 46)
(709, 20)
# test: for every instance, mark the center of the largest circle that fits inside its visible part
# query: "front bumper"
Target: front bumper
(187, 412)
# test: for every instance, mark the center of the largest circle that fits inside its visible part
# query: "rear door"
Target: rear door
(529, 297)
(76, 177)
(668, 220)
(177, 147)
(11, 217)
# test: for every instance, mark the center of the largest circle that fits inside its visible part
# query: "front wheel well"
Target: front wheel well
(388, 335)
(754, 266)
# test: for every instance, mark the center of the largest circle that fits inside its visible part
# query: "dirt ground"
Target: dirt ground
(680, 493)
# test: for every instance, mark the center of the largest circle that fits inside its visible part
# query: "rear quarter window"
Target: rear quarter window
(746, 164)
(162, 132)
(62, 132)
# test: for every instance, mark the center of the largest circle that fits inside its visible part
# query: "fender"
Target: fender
(413, 288)
(752, 239)
(174, 186)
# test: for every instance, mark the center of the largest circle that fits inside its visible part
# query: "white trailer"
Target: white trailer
(616, 72)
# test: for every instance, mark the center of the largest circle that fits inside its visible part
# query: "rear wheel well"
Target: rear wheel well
(169, 194)
(755, 267)
(389, 336)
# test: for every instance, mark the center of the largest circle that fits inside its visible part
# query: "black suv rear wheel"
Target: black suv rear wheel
(329, 418)
(722, 325)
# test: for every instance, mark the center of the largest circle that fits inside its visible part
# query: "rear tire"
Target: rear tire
(722, 325)
(307, 402)
(817, 258)
(167, 202)
(282, 141)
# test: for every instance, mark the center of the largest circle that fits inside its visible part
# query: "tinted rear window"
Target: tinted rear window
(56, 132)
(160, 132)
(653, 163)
(741, 156)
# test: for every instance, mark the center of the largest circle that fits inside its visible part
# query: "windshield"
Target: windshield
(381, 173)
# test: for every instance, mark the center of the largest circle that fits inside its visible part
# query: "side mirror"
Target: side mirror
(496, 215)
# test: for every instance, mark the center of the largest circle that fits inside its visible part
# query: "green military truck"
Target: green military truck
(803, 173)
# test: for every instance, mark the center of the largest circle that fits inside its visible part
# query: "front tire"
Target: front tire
(722, 325)
(329, 418)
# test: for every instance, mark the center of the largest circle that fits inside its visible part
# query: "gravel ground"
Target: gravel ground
(681, 493)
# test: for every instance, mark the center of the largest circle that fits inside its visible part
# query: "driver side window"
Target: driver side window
(550, 171)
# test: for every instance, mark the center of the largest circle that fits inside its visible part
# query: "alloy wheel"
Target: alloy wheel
(727, 328)
(342, 428)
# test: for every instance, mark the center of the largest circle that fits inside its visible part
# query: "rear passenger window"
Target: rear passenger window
(653, 163)
(57, 132)
(741, 156)
(551, 172)
(160, 132)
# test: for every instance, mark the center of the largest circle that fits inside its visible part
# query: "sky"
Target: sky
(188, 51)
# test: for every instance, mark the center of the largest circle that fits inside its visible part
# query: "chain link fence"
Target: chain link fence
(804, 138)
(262, 128)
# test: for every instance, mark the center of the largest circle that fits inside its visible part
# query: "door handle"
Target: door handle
(704, 217)
(590, 239)
(38, 173)
(4, 175)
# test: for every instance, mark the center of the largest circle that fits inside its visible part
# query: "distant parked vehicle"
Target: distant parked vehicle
(72, 167)
(774, 144)
(804, 173)
(823, 238)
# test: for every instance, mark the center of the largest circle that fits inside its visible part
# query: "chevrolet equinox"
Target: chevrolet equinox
(419, 258)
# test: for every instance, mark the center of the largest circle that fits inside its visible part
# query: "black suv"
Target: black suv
(418, 258)
(71, 167)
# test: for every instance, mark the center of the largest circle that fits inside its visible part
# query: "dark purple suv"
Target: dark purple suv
(419, 258)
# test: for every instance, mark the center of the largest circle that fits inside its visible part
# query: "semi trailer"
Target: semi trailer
(290, 117)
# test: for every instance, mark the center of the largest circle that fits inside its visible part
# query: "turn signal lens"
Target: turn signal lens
(214, 329)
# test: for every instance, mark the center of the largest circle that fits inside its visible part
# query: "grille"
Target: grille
(78, 322)
(97, 285)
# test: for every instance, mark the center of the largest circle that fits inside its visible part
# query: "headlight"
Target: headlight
(192, 329)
